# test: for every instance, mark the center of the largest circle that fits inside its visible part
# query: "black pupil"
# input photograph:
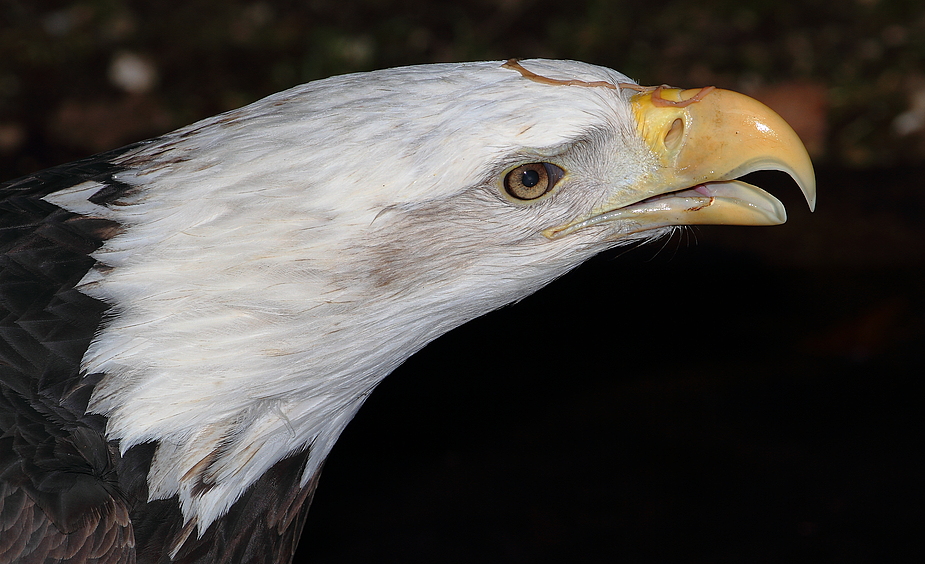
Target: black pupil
(530, 178)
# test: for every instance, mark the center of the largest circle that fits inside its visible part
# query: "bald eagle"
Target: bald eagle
(189, 322)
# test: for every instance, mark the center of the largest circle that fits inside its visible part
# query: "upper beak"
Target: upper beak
(701, 140)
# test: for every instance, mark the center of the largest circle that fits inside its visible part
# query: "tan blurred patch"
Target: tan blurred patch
(867, 333)
(96, 126)
(804, 105)
(12, 136)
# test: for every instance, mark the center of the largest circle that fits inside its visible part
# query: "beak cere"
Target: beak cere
(701, 141)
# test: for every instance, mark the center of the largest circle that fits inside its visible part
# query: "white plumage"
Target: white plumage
(276, 262)
(283, 258)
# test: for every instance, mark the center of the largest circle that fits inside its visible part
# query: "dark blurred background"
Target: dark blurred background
(727, 395)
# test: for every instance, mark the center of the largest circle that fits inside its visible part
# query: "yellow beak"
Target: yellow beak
(701, 140)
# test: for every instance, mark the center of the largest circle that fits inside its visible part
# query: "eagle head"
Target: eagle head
(275, 262)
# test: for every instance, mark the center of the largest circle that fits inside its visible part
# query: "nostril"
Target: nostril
(675, 132)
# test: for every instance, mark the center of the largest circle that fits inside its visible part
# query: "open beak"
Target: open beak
(701, 141)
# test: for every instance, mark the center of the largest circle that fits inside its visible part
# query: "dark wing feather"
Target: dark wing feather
(66, 493)
(104, 536)
(263, 526)
(59, 495)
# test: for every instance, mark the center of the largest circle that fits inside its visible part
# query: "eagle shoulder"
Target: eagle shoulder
(66, 491)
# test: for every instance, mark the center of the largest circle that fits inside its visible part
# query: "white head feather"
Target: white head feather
(281, 259)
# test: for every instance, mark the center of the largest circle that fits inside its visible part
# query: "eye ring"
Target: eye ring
(530, 181)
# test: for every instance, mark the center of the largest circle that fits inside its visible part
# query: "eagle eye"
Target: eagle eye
(530, 181)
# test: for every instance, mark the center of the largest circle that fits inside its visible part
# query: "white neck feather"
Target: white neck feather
(280, 260)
